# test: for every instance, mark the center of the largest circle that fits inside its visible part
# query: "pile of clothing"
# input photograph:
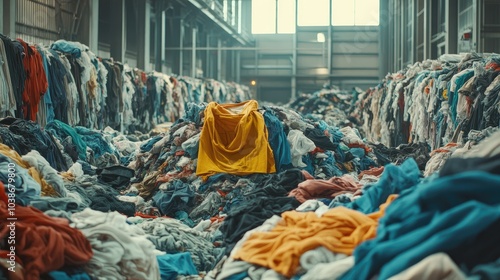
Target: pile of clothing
(401, 227)
(435, 101)
(69, 83)
(329, 104)
(237, 191)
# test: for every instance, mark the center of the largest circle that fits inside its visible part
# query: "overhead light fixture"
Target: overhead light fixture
(320, 37)
(253, 82)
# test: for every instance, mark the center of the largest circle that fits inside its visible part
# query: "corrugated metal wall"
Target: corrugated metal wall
(36, 20)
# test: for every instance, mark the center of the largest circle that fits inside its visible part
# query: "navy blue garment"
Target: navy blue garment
(320, 139)
(174, 265)
(278, 141)
(35, 138)
(177, 197)
(457, 215)
(146, 147)
(394, 180)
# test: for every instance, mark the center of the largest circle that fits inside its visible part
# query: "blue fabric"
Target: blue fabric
(489, 271)
(95, 140)
(47, 96)
(238, 276)
(458, 215)
(394, 180)
(67, 47)
(62, 130)
(329, 167)
(358, 152)
(62, 275)
(177, 197)
(309, 163)
(146, 147)
(26, 188)
(173, 265)
(278, 142)
(194, 112)
(184, 218)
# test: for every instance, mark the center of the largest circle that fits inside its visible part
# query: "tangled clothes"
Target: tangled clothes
(39, 238)
(69, 83)
(444, 209)
(340, 230)
(435, 102)
(121, 251)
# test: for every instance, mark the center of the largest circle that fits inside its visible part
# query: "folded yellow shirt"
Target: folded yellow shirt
(234, 140)
(339, 230)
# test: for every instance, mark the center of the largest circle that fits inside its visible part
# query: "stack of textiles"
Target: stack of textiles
(71, 84)
(435, 101)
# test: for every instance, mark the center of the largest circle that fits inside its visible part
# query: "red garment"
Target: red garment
(363, 146)
(311, 189)
(375, 171)
(42, 243)
(36, 83)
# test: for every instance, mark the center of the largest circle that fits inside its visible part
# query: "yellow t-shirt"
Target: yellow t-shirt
(234, 140)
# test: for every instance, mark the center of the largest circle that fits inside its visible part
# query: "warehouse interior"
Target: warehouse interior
(249, 139)
(214, 39)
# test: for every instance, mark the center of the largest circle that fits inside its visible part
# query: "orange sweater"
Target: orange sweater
(234, 140)
(340, 230)
(36, 83)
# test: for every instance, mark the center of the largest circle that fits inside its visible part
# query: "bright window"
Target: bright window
(366, 12)
(263, 17)
(286, 16)
(313, 13)
(343, 12)
(355, 12)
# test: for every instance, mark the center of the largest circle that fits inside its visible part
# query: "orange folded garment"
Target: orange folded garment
(340, 230)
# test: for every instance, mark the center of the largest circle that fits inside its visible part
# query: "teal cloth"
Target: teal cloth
(62, 131)
(394, 180)
(173, 265)
(458, 215)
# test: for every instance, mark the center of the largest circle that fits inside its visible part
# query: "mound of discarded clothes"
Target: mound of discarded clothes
(236, 190)
(434, 101)
(69, 83)
(329, 104)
